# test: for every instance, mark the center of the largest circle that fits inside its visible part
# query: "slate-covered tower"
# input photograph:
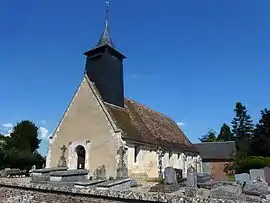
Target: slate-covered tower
(104, 67)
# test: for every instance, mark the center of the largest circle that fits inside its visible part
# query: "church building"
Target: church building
(101, 128)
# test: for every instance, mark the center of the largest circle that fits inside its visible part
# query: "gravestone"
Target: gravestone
(133, 182)
(267, 175)
(191, 177)
(170, 176)
(242, 178)
(32, 169)
(179, 175)
(62, 161)
(100, 173)
(191, 188)
(255, 173)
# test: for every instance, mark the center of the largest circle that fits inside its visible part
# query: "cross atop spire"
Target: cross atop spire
(107, 9)
(105, 37)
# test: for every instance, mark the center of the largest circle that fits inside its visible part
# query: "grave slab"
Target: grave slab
(79, 175)
(122, 184)
(226, 192)
(92, 183)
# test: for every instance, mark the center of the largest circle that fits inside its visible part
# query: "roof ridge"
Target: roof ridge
(216, 142)
(114, 106)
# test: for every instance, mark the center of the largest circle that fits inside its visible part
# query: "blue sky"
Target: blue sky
(191, 60)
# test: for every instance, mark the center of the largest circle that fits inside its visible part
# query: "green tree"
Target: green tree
(225, 133)
(242, 129)
(24, 136)
(210, 136)
(261, 140)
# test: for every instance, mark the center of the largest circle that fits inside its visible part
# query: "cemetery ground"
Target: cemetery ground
(63, 185)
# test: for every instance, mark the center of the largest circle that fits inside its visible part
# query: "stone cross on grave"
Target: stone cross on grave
(62, 161)
(63, 149)
(122, 171)
(160, 154)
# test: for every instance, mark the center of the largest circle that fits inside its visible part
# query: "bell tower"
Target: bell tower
(104, 67)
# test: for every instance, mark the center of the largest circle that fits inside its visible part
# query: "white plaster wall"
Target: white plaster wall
(166, 160)
(48, 158)
(174, 160)
(182, 160)
(146, 162)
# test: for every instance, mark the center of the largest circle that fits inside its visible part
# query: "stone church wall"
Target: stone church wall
(143, 161)
(216, 169)
(85, 123)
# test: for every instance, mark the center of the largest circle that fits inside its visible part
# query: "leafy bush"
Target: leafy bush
(252, 162)
(22, 159)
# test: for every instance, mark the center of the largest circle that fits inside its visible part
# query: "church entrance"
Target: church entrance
(80, 150)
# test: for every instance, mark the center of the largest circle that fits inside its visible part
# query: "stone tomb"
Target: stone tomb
(77, 175)
(43, 175)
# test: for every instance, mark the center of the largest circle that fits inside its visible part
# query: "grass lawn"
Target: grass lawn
(231, 178)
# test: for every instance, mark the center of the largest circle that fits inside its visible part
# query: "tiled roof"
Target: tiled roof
(216, 150)
(142, 124)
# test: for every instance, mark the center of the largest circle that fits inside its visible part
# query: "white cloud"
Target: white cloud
(44, 133)
(7, 125)
(43, 122)
(181, 123)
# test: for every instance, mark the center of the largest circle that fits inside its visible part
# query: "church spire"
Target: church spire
(104, 67)
(105, 37)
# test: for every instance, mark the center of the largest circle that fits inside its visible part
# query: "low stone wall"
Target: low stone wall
(14, 192)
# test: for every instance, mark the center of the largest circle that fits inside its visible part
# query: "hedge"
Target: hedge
(252, 162)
